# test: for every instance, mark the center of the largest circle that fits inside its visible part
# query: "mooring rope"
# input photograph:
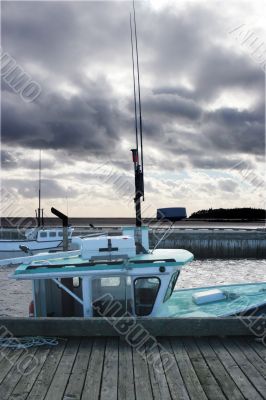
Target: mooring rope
(27, 342)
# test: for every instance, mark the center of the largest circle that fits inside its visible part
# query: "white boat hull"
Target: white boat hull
(11, 248)
(13, 245)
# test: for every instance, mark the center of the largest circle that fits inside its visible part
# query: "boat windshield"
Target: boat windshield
(171, 286)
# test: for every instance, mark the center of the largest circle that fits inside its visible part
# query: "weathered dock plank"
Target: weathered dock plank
(44, 379)
(142, 379)
(252, 356)
(23, 388)
(247, 367)
(101, 368)
(204, 373)
(110, 370)
(174, 378)
(194, 388)
(15, 373)
(222, 376)
(93, 380)
(259, 347)
(126, 387)
(158, 379)
(234, 370)
(77, 378)
(9, 359)
(63, 371)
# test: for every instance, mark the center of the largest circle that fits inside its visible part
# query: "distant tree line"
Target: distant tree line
(230, 213)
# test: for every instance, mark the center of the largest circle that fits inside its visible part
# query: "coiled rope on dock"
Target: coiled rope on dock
(27, 342)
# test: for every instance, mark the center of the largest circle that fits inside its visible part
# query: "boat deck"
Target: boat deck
(108, 368)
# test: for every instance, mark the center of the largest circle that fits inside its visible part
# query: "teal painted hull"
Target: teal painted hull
(241, 299)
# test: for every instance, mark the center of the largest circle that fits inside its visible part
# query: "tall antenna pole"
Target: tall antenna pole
(140, 113)
(138, 168)
(134, 84)
(40, 186)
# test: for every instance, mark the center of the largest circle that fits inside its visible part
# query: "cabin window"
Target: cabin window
(171, 286)
(146, 290)
(76, 282)
(43, 234)
(109, 282)
(60, 234)
(52, 234)
(110, 296)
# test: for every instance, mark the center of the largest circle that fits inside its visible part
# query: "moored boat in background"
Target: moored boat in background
(35, 241)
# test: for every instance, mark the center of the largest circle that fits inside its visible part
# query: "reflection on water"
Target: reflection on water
(16, 295)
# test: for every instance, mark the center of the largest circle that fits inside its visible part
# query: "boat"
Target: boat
(108, 277)
(39, 238)
(36, 240)
(121, 276)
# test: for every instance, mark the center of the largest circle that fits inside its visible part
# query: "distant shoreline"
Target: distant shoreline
(23, 222)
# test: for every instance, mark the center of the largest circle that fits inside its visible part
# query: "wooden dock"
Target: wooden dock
(98, 358)
(108, 368)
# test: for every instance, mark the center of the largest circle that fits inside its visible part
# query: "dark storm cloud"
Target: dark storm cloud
(230, 129)
(173, 107)
(178, 40)
(222, 69)
(65, 36)
(28, 188)
(16, 159)
(8, 161)
(63, 40)
(205, 161)
(82, 123)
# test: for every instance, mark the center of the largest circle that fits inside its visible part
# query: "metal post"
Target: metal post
(64, 219)
(65, 238)
(138, 186)
(87, 297)
(67, 300)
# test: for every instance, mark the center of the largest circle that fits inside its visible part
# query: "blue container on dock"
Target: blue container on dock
(172, 214)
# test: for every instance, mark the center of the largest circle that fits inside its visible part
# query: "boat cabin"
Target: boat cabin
(47, 234)
(106, 278)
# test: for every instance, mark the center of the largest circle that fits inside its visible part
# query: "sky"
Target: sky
(202, 73)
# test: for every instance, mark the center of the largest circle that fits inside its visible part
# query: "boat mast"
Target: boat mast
(140, 113)
(138, 167)
(40, 211)
(134, 84)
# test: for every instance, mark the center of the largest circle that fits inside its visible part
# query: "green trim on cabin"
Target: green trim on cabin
(185, 257)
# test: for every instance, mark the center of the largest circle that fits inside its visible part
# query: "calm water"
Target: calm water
(218, 272)
(16, 295)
